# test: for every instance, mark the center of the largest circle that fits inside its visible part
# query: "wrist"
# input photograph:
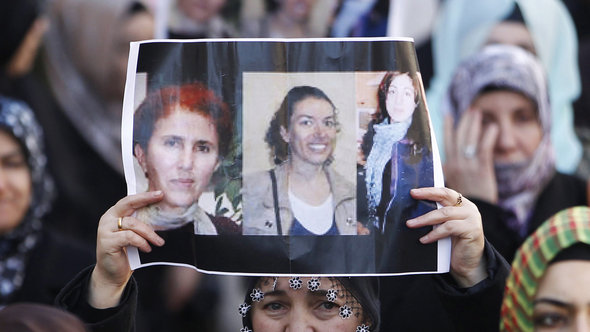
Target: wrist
(469, 277)
(103, 294)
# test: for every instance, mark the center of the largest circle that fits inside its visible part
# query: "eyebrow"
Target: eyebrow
(553, 302)
(12, 154)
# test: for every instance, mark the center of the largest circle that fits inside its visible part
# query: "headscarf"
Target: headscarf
(17, 119)
(78, 48)
(356, 292)
(509, 67)
(34, 317)
(463, 27)
(562, 231)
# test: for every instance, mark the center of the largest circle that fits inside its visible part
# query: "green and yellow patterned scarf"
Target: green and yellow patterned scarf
(561, 231)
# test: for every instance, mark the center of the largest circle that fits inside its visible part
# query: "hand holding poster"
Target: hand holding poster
(282, 156)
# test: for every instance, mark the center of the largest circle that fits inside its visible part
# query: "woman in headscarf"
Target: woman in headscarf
(499, 149)
(549, 286)
(86, 51)
(540, 25)
(34, 261)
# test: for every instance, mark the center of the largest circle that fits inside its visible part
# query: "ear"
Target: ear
(284, 134)
(141, 157)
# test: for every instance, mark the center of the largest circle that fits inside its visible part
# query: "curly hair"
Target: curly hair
(194, 97)
(282, 118)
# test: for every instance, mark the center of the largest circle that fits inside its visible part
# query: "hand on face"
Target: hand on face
(112, 270)
(469, 167)
(462, 222)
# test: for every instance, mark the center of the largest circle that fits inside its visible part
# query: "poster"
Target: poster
(282, 157)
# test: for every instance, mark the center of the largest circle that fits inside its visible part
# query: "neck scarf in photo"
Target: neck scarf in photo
(565, 229)
(513, 69)
(17, 119)
(386, 135)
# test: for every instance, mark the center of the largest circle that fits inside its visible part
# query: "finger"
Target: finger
(474, 128)
(440, 216)
(127, 238)
(450, 144)
(24, 56)
(145, 231)
(127, 205)
(488, 142)
(444, 196)
(465, 123)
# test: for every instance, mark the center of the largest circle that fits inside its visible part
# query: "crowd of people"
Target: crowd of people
(505, 82)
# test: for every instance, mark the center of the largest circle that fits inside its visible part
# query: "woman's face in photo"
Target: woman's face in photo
(182, 155)
(562, 302)
(400, 98)
(312, 131)
(15, 183)
(519, 129)
(286, 309)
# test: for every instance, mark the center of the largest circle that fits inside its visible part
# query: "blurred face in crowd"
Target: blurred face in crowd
(297, 10)
(517, 119)
(312, 131)
(400, 98)
(15, 183)
(201, 10)
(139, 26)
(287, 309)
(181, 156)
(562, 302)
(512, 33)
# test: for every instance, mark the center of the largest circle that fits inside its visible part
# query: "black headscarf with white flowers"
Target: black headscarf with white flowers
(17, 119)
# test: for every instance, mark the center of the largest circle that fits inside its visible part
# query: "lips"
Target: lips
(183, 182)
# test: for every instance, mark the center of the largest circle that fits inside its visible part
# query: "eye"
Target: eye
(326, 310)
(487, 119)
(172, 142)
(306, 122)
(15, 162)
(275, 309)
(550, 320)
(330, 123)
(203, 148)
(524, 117)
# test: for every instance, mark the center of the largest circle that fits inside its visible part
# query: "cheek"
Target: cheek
(206, 166)
(531, 139)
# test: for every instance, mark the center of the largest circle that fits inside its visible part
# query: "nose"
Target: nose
(186, 159)
(583, 322)
(300, 322)
(320, 129)
(506, 141)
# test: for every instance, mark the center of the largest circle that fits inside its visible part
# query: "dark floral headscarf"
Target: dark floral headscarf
(17, 119)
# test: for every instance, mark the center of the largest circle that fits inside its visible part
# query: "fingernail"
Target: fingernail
(424, 239)
(157, 193)
(411, 222)
(161, 241)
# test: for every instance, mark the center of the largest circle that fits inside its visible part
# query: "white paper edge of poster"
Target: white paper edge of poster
(443, 246)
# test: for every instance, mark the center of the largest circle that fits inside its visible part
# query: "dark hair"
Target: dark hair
(381, 112)
(415, 133)
(194, 97)
(282, 118)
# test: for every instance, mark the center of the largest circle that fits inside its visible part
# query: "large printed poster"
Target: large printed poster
(290, 157)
